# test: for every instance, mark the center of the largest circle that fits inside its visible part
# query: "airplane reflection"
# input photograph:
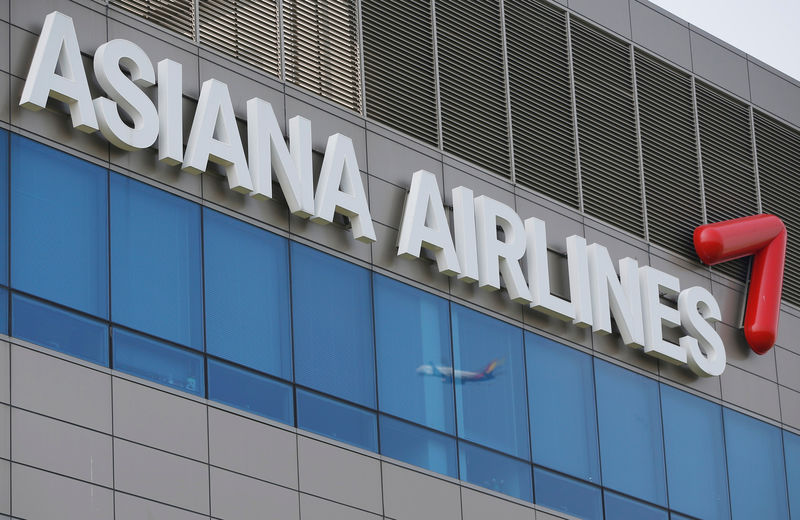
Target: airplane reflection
(462, 376)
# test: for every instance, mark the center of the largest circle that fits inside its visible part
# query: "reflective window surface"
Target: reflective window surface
(336, 419)
(568, 495)
(791, 445)
(618, 507)
(4, 160)
(250, 391)
(494, 470)
(419, 446)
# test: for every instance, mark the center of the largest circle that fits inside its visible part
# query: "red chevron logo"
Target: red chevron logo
(765, 237)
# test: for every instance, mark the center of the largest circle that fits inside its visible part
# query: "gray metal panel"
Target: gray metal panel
(82, 500)
(661, 34)
(5, 10)
(90, 25)
(480, 185)
(731, 304)
(394, 162)
(774, 93)
(559, 225)
(386, 202)
(5, 372)
(611, 345)
(789, 332)
(741, 355)
(128, 507)
(790, 407)
(480, 506)
(788, 368)
(422, 271)
(5, 431)
(683, 376)
(410, 495)
(315, 508)
(273, 211)
(719, 64)
(243, 498)
(5, 487)
(613, 14)
(751, 392)
(5, 98)
(334, 236)
(5, 40)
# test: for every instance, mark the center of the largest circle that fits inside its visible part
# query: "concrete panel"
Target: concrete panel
(480, 506)
(790, 406)
(244, 498)
(314, 508)
(750, 392)
(90, 25)
(325, 122)
(60, 389)
(182, 424)
(333, 235)
(788, 368)
(455, 177)
(559, 226)
(731, 304)
(774, 93)
(409, 495)
(395, 163)
(684, 376)
(611, 345)
(340, 475)
(789, 332)
(128, 507)
(386, 202)
(613, 14)
(160, 476)
(421, 270)
(39, 495)
(273, 211)
(661, 34)
(741, 355)
(252, 448)
(61, 448)
(5, 372)
(719, 65)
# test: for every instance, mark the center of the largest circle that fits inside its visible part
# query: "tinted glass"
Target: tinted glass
(567, 495)
(332, 316)
(791, 446)
(491, 404)
(623, 508)
(418, 446)
(4, 137)
(247, 295)
(755, 468)
(58, 329)
(629, 420)
(415, 368)
(59, 225)
(695, 449)
(492, 470)
(155, 262)
(249, 391)
(562, 408)
(159, 362)
(337, 420)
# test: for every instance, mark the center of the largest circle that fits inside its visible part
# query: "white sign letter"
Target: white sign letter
(655, 313)
(539, 273)
(170, 112)
(464, 228)
(621, 298)
(580, 291)
(699, 311)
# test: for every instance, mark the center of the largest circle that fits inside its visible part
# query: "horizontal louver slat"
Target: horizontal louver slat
(175, 15)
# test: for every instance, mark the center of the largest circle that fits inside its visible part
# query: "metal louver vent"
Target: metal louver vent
(726, 148)
(321, 47)
(778, 152)
(610, 175)
(472, 83)
(399, 66)
(244, 29)
(175, 15)
(669, 154)
(541, 99)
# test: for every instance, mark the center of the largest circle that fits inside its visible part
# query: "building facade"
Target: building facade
(177, 348)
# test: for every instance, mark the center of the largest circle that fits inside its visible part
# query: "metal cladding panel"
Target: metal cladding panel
(609, 151)
(541, 99)
(399, 67)
(669, 153)
(175, 15)
(244, 29)
(472, 83)
(322, 49)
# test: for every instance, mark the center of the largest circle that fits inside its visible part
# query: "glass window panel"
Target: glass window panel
(418, 446)
(251, 392)
(155, 262)
(247, 295)
(59, 227)
(159, 362)
(623, 508)
(415, 368)
(755, 468)
(4, 138)
(332, 317)
(492, 470)
(791, 445)
(562, 408)
(491, 402)
(567, 495)
(337, 420)
(629, 421)
(695, 450)
(58, 329)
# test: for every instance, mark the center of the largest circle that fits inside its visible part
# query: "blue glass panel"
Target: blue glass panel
(695, 449)
(159, 362)
(418, 446)
(755, 468)
(59, 227)
(337, 420)
(492, 470)
(629, 420)
(155, 262)
(567, 495)
(58, 329)
(623, 508)
(332, 313)
(247, 295)
(4, 137)
(562, 408)
(791, 446)
(491, 402)
(412, 337)
(676, 516)
(249, 391)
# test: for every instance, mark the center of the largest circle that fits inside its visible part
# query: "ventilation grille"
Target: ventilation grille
(778, 151)
(322, 53)
(728, 172)
(609, 150)
(244, 29)
(175, 15)
(472, 82)
(669, 153)
(541, 101)
(399, 66)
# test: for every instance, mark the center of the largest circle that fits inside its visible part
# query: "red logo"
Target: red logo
(765, 237)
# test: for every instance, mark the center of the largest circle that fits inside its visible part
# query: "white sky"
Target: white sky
(766, 29)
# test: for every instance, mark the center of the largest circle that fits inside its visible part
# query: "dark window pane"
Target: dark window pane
(567, 495)
(59, 329)
(59, 227)
(623, 508)
(158, 362)
(332, 313)
(418, 446)
(337, 420)
(251, 392)
(492, 470)
(4, 137)
(247, 295)
(791, 445)
(490, 382)
(155, 262)
(415, 369)
(562, 408)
